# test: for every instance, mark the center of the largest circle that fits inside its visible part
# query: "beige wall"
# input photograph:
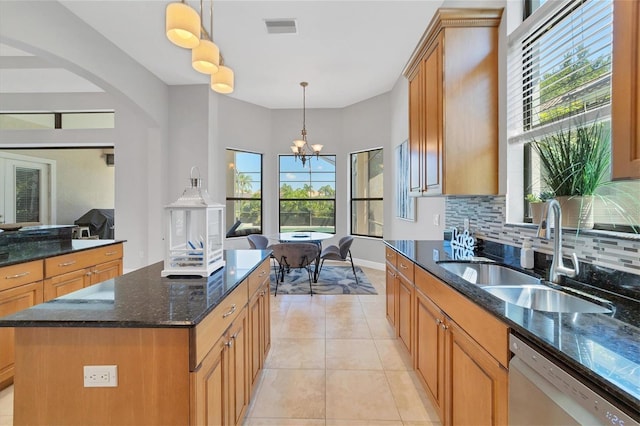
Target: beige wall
(83, 180)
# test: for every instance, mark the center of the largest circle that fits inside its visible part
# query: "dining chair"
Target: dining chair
(294, 255)
(341, 252)
(257, 241)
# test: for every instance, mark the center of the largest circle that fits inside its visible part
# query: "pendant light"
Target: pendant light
(205, 57)
(182, 24)
(223, 80)
(300, 147)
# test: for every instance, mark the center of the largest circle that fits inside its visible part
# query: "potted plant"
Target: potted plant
(537, 204)
(575, 162)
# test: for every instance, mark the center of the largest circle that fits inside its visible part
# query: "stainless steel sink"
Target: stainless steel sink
(488, 273)
(543, 298)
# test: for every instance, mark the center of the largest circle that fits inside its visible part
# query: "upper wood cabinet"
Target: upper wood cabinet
(453, 105)
(625, 101)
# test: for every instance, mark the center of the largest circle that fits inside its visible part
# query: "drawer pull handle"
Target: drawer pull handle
(438, 321)
(229, 343)
(88, 273)
(12, 277)
(110, 253)
(444, 326)
(263, 273)
(69, 263)
(232, 310)
(403, 266)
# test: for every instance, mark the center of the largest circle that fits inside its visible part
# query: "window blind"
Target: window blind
(559, 66)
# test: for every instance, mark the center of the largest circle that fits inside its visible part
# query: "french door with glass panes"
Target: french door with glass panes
(25, 190)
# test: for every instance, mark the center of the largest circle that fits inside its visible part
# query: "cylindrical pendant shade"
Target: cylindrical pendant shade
(205, 57)
(182, 25)
(222, 81)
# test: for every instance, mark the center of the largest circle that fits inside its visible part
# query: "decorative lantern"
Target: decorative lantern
(195, 238)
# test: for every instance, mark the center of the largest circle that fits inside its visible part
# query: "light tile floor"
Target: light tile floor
(334, 361)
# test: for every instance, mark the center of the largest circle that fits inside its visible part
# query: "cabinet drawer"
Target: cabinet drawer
(22, 273)
(405, 267)
(391, 256)
(73, 261)
(258, 277)
(491, 333)
(215, 324)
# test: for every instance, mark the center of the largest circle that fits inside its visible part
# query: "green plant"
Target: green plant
(575, 161)
(539, 198)
(532, 198)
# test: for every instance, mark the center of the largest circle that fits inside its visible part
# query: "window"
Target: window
(559, 77)
(308, 194)
(366, 193)
(57, 120)
(244, 193)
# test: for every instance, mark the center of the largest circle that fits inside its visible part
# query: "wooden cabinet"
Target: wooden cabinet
(625, 97)
(453, 105)
(70, 272)
(20, 288)
(460, 351)
(399, 297)
(209, 401)
(461, 355)
(476, 383)
(259, 323)
(430, 349)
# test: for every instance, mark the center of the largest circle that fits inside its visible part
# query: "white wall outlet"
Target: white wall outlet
(100, 376)
(436, 219)
(466, 223)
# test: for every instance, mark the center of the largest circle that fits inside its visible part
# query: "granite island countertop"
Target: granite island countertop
(142, 299)
(603, 349)
(36, 250)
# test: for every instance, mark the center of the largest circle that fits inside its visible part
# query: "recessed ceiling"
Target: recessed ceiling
(348, 51)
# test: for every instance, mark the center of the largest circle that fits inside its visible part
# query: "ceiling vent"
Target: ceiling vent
(281, 26)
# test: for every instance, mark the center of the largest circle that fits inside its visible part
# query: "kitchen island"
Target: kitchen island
(187, 350)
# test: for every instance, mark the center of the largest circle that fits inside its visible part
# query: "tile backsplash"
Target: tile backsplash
(487, 219)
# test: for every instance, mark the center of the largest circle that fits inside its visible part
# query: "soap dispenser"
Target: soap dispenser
(526, 255)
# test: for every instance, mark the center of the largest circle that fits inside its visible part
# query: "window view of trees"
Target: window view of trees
(308, 194)
(367, 208)
(244, 193)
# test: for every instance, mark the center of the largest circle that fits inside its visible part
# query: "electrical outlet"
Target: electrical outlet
(100, 376)
(436, 219)
(466, 223)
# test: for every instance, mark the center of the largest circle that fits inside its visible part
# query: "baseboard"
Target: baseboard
(369, 264)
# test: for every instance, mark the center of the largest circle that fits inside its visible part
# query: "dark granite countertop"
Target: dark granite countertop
(602, 349)
(142, 298)
(35, 250)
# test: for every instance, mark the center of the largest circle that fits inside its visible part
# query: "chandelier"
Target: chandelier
(301, 147)
(185, 28)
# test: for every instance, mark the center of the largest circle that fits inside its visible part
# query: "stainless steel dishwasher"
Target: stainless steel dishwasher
(542, 393)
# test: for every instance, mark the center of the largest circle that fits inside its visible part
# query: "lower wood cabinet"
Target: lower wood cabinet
(429, 355)
(260, 331)
(459, 350)
(220, 393)
(476, 383)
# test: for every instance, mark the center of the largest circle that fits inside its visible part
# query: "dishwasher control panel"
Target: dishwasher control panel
(598, 406)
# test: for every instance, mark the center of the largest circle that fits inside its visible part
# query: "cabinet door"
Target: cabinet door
(12, 301)
(256, 307)
(266, 319)
(391, 295)
(430, 349)
(209, 402)
(238, 368)
(106, 271)
(404, 317)
(433, 119)
(625, 100)
(416, 132)
(476, 383)
(66, 283)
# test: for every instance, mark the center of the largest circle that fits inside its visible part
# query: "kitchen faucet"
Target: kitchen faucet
(544, 231)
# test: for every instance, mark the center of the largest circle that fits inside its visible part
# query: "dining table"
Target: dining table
(304, 237)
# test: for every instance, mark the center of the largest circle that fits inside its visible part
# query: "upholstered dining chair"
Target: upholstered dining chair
(257, 241)
(341, 252)
(294, 255)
